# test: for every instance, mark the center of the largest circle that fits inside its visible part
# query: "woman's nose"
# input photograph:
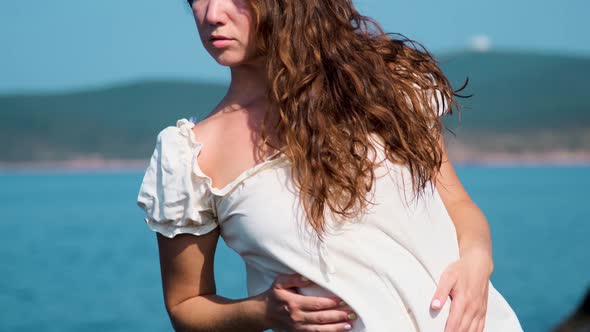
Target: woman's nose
(215, 12)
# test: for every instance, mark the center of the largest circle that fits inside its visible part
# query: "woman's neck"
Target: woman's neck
(248, 84)
(247, 92)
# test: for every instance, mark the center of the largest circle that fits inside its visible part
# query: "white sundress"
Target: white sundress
(385, 265)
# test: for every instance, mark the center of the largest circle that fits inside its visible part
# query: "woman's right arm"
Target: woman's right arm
(186, 264)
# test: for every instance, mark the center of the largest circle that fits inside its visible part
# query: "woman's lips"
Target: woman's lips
(220, 41)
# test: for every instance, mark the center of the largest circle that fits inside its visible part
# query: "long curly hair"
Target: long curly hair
(335, 77)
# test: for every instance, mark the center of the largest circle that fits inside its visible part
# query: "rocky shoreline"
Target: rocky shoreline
(554, 157)
(82, 164)
(458, 157)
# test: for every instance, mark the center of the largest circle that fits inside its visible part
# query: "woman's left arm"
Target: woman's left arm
(465, 280)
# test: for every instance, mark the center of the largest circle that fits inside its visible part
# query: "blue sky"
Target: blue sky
(70, 44)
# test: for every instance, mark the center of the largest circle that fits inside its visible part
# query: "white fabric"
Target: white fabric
(385, 264)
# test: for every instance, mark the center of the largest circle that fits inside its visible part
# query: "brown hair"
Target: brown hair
(335, 77)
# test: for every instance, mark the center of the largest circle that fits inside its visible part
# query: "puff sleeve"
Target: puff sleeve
(174, 199)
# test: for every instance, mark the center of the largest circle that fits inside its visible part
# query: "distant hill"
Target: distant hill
(120, 122)
(521, 102)
(520, 91)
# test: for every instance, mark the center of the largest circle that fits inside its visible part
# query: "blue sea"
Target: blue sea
(77, 255)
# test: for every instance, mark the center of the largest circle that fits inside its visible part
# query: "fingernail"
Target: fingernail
(351, 316)
(436, 303)
(347, 327)
(304, 279)
(342, 303)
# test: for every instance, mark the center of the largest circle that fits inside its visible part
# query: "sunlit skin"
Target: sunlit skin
(230, 19)
(187, 261)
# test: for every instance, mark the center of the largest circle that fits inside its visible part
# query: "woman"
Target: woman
(324, 161)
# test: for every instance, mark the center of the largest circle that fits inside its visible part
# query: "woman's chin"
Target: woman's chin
(233, 59)
(229, 60)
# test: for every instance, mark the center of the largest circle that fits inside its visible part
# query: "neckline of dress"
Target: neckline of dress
(226, 189)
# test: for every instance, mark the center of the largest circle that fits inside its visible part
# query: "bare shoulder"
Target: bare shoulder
(211, 132)
(207, 124)
(212, 129)
(227, 145)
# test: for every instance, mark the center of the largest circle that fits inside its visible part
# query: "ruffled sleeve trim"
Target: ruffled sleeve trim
(170, 229)
(174, 200)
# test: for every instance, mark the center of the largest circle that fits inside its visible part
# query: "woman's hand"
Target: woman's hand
(290, 311)
(466, 281)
